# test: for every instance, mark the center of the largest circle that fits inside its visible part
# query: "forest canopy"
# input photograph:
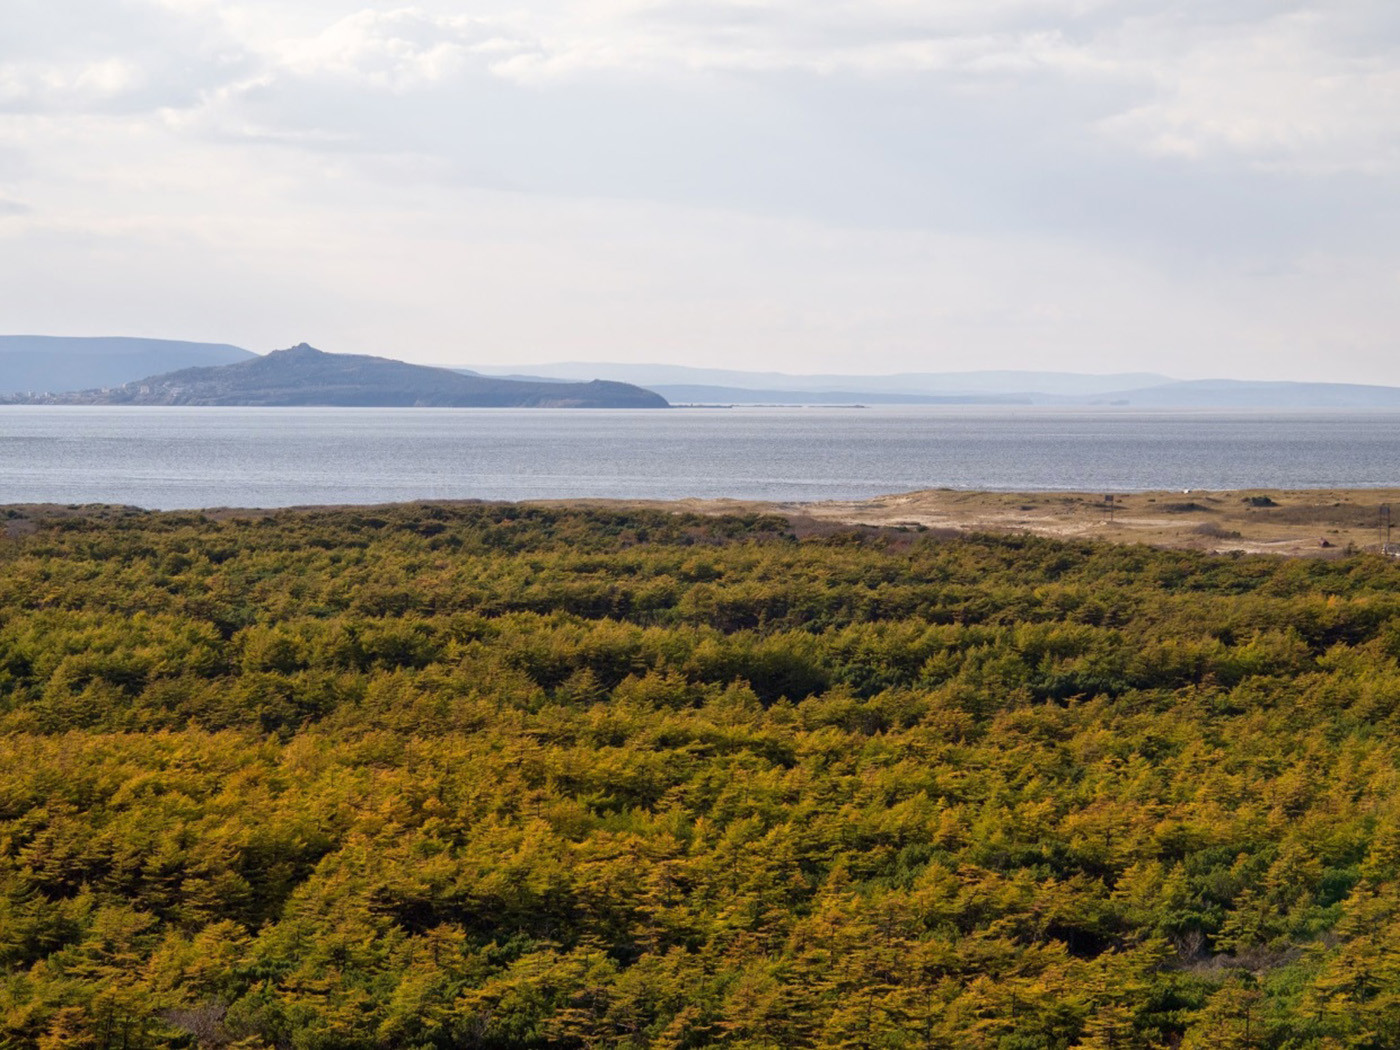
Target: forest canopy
(497, 776)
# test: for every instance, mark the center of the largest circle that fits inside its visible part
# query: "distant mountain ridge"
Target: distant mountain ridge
(905, 384)
(685, 385)
(1243, 393)
(688, 394)
(46, 363)
(303, 375)
(113, 370)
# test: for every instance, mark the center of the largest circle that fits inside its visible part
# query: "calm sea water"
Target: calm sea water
(206, 457)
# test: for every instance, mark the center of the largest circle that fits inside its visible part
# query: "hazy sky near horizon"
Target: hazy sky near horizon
(1187, 186)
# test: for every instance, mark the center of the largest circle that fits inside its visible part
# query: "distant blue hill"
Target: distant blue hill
(45, 363)
(696, 394)
(1240, 393)
(684, 384)
(904, 384)
(303, 375)
(58, 364)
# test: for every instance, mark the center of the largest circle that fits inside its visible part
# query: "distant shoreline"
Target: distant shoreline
(1323, 522)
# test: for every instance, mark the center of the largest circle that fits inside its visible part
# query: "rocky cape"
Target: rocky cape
(305, 376)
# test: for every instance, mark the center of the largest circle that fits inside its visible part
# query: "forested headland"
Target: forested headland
(495, 776)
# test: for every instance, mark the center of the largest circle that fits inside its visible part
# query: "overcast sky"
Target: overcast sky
(1201, 187)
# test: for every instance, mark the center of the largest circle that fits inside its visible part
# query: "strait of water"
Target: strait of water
(256, 457)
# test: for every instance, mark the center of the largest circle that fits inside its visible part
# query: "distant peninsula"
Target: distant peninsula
(682, 384)
(305, 376)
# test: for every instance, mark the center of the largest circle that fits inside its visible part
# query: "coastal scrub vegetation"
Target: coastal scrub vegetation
(497, 776)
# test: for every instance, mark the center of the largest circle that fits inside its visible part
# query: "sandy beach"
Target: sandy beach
(1311, 523)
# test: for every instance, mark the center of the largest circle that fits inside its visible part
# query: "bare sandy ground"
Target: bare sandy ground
(1312, 522)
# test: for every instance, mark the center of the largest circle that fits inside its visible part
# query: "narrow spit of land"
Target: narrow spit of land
(1309, 522)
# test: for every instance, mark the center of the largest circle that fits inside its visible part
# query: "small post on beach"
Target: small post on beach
(1384, 528)
(1109, 502)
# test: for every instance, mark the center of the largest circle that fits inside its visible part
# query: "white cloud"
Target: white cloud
(1285, 92)
(1315, 84)
(1090, 182)
(397, 50)
(80, 86)
(1316, 87)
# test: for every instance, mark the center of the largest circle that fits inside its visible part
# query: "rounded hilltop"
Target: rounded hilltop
(302, 375)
